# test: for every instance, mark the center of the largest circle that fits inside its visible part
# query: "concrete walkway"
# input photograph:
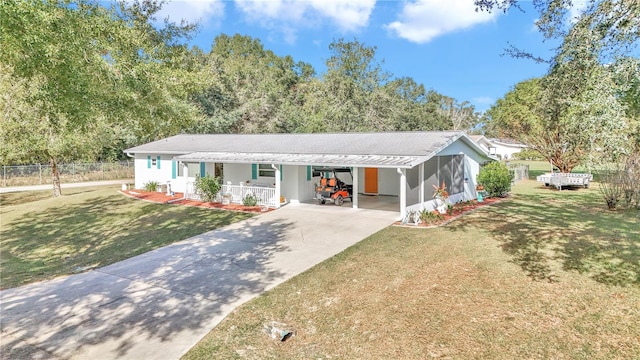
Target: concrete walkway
(9, 189)
(159, 304)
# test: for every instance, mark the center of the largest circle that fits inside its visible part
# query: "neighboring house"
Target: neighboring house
(504, 149)
(403, 165)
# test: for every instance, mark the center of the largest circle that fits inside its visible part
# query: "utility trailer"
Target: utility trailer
(560, 180)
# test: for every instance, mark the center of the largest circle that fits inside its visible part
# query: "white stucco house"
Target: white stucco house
(400, 165)
(503, 149)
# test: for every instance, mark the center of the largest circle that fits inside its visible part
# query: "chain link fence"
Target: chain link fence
(520, 172)
(37, 174)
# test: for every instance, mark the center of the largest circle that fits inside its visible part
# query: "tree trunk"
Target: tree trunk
(57, 191)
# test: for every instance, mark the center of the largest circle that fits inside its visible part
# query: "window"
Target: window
(192, 168)
(153, 162)
(266, 170)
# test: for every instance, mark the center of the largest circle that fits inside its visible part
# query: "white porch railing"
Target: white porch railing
(266, 195)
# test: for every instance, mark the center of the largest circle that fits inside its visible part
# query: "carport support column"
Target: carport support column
(421, 177)
(185, 174)
(278, 191)
(403, 192)
(354, 190)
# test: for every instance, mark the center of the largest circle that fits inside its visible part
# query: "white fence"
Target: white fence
(266, 196)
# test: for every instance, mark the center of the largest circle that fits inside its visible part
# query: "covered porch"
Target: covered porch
(405, 182)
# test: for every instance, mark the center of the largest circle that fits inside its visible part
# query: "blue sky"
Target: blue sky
(444, 44)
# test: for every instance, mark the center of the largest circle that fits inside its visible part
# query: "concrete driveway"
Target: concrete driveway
(159, 304)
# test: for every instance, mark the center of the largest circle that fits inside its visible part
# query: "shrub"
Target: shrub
(207, 187)
(496, 178)
(250, 200)
(619, 184)
(151, 186)
(430, 217)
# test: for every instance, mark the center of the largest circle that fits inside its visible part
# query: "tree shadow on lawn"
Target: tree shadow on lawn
(156, 298)
(548, 232)
(100, 231)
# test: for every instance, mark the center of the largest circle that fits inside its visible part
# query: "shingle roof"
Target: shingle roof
(394, 148)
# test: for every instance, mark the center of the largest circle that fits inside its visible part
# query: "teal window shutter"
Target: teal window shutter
(254, 171)
(202, 170)
(174, 170)
(281, 176)
(308, 173)
(158, 161)
(148, 161)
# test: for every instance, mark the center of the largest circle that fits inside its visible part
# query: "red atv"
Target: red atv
(334, 187)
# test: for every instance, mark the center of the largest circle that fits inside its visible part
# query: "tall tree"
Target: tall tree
(582, 86)
(249, 89)
(567, 132)
(86, 74)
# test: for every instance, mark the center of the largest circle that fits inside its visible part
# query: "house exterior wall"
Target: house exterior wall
(145, 170)
(505, 151)
(435, 173)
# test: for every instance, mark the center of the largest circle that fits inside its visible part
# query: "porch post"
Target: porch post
(354, 190)
(403, 192)
(277, 179)
(185, 174)
(421, 170)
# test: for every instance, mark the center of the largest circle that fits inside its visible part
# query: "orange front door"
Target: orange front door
(371, 180)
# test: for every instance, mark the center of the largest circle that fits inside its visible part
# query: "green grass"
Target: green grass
(44, 237)
(543, 274)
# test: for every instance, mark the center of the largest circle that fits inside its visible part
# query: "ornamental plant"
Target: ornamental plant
(440, 192)
(207, 187)
(496, 179)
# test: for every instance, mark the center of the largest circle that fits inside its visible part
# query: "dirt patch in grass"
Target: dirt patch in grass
(176, 199)
(469, 289)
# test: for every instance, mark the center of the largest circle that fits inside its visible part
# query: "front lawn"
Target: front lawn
(544, 274)
(44, 237)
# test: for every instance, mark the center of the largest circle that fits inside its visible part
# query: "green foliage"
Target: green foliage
(585, 109)
(250, 200)
(430, 217)
(207, 187)
(528, 154)
(84, 75)
(619, 184)
(151, 186)
(496, 178)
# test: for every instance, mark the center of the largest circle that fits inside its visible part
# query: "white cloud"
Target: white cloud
(285, 16)
(202, 11)
(423, 20)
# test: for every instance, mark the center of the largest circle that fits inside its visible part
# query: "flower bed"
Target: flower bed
(454, 211)
(160, 197)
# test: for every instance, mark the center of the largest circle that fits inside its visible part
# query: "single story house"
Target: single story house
(503, 149)
(402, 166)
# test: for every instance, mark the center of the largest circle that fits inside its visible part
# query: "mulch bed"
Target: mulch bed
(458, 211)
(163, 198)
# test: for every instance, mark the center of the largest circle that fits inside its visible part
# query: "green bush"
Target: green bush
(496, 179)
(430, 217)
(151, 186)
(250, 200)
(207, 187)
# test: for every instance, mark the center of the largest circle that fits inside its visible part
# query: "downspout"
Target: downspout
(403, 192)
(277, 174)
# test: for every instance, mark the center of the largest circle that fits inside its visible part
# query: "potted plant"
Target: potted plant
(441, 194)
